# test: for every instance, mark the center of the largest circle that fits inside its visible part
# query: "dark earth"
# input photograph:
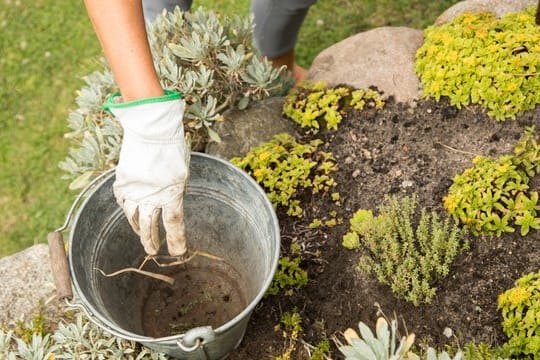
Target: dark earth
(399, 150)
(204, 293)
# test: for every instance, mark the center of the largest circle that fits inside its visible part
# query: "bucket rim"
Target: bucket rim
(97, 318)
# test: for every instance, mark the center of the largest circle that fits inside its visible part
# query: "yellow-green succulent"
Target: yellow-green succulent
(480, 59)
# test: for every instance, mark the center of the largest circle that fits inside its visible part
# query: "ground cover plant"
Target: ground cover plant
(520, 307)
(480, 59)
(494, 196)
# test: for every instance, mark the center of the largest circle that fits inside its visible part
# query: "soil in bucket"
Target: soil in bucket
(203, 294)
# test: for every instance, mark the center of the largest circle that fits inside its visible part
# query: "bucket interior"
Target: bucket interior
(226, 216)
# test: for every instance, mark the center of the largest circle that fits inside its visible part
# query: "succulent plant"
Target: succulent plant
(210, 59)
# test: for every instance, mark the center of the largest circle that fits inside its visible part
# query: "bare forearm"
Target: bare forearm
(120, 28)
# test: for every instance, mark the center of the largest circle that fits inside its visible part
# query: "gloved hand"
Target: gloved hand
(153, 168)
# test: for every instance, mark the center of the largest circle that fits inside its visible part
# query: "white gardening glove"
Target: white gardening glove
(153, 168)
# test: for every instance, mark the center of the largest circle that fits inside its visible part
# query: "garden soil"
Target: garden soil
(399, 150)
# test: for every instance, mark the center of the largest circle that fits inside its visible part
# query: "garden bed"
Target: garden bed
(399, 151)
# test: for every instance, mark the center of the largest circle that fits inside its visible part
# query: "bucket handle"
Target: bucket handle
(196, 337)
(57, 252)
(60, 267)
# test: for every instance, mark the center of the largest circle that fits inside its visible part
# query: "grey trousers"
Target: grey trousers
(277, 22)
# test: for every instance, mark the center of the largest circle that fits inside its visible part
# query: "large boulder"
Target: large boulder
(27, 283)
(242, 130)
(497, 7)
(383, 57)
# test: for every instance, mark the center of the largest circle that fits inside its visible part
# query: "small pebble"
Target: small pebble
(407, 183)
(367, 154)
(355, 173)
(448, 332)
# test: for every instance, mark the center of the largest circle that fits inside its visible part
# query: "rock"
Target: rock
(498, 7)
(241, 130)
(383, 57)
(26, 280)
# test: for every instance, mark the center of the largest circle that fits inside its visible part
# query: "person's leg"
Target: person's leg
(277, 24)
(153, 8)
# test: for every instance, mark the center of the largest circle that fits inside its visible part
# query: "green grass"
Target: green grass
(47, 46)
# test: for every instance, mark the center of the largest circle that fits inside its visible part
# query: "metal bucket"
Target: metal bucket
(227, 214)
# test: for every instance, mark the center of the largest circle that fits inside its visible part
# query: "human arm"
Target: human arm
(120, 28)
(154, 161)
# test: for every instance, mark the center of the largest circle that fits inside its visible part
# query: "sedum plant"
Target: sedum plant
(290, 325)
(209, 59)
(520, 309)
(406, 256)
(289, 276)
(284, 166)
(479, 59)
(494, 196)
(315, 106)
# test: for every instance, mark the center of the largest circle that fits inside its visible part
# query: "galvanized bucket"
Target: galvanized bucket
(227, 214)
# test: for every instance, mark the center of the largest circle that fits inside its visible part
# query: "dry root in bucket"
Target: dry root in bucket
(162, 261)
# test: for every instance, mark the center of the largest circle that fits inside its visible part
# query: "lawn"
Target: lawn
(48, 46)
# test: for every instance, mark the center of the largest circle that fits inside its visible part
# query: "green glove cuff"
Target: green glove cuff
(111, 104)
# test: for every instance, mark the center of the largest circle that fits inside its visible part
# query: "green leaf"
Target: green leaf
(214, 136)
(81, 180)
(243, 103)
(351, 241)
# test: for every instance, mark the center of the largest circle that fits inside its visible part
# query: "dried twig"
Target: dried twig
(178, 260)
(161, 277)
(454, 149)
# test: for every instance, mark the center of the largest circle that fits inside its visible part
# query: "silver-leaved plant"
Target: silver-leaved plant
(210, 59)
(79, 339)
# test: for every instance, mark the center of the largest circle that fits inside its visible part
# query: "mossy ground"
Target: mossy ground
(399, 151)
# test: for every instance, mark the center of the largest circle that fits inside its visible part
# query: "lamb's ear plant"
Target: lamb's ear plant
(209, 58)
(479, 59)
(408, 256)
(385, 344)
(494, 197)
